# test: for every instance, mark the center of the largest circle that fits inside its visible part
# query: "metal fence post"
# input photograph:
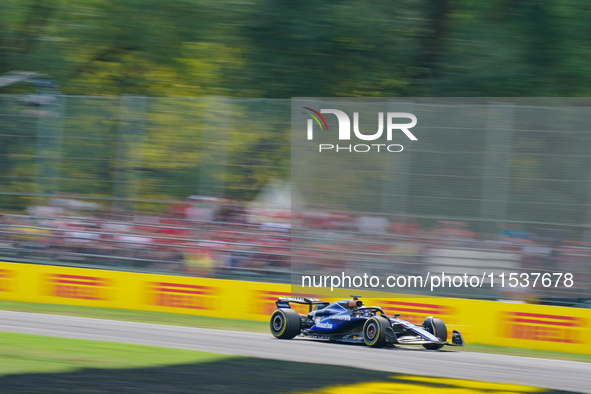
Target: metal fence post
(215, 140)
(132, 113)
(496, 167)
(48, 148)
(395, 173)
(587, 224)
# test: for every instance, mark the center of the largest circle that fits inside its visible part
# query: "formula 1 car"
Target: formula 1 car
(350, 321)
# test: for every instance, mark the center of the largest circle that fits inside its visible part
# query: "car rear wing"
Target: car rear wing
(283, 302)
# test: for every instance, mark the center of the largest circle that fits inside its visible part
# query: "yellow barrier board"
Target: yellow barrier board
(486, 322)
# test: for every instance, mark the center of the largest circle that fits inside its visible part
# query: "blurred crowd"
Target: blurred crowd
(200, 239)
(226, 239)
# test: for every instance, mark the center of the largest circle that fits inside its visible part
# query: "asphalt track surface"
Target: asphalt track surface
(552, 374)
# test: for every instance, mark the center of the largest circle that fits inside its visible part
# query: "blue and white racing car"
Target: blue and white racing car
(350, 321)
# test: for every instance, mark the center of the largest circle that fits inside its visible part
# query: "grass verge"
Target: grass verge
(48, 365)
(24, 353)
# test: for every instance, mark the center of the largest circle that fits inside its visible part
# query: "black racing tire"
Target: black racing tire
(436, 327)
(374, 331)
(285, 323)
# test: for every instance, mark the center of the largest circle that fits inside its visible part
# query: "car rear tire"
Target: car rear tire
(285, 323)
(374, 331)
(436, 327)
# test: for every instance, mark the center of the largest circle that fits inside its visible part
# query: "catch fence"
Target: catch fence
(201, 186)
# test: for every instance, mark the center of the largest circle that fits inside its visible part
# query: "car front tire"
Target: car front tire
(436, 327)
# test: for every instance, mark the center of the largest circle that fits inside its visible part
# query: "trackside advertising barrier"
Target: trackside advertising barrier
(485, 322)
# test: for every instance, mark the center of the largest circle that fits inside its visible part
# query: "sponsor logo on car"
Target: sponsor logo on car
(78, 287)
(318, 336)
(542, 327)
(346, 318)
(180, 295)
(326, 325)
(299, 299)
(265, 302)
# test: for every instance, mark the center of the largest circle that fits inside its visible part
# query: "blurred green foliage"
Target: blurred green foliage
(276, 49)
(282, 48)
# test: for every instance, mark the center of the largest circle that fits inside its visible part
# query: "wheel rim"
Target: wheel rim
(277, 323)
(371, 331)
